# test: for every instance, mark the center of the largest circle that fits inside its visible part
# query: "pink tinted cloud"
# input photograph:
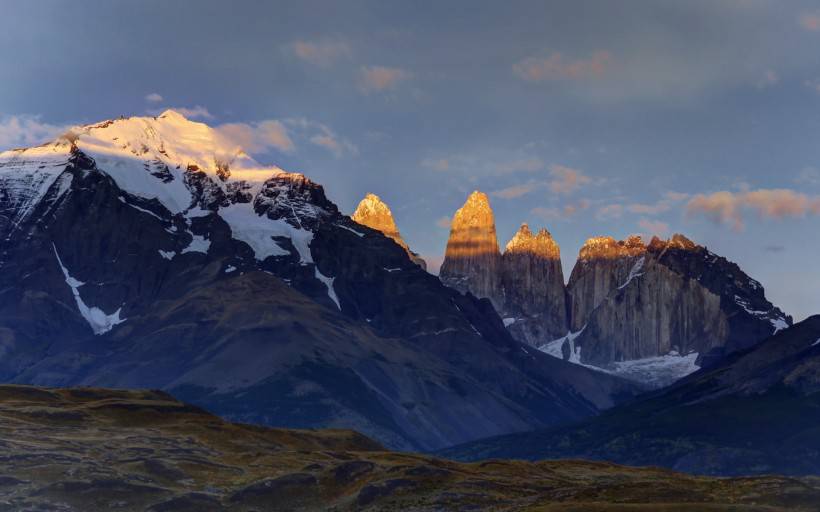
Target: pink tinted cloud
(380, 78)
(320, 53)
(565, 180)
(729, 207)
(654, 227)
(257, 137)
(515, 191)
(556, 67)
(810, 21)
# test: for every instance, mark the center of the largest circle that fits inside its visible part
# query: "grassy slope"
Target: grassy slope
(94, 449)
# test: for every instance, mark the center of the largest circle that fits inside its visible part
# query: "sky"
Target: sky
(584, 117)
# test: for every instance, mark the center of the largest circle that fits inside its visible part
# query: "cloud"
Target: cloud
(524, 165)
(320, 53)
(774, 248)
(322, 136)
(26, 130)
(564, 212)
(441, 165)
(565, 180)
(556, 67)
(153, 97)
(443, 222)
(654, 227)
(380, 78)
(729, 207)
(810, 21)
(516, 190)
(814, 85)
(610, 211)
(669, 200)
(770, 78)
(327, 139)
(257, 137)
(809, 176)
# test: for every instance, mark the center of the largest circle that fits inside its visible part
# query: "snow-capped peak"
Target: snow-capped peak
(148, 156)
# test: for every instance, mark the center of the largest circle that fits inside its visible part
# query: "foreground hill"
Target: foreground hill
(757, 412)
(148, 252)
(98, 449)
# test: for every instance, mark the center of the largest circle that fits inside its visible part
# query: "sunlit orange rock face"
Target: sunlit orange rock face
(525, 284)
(374, 213)
(472, 261)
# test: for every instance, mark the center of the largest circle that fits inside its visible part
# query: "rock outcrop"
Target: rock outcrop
(525, 284)
(374, 213)
(472, 261)
(535, 307)
(635, 301)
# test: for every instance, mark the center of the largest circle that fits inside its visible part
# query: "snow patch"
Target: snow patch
(329, 283)
(100, 322)
(258, 231)
(555, 348)
(508, 321)
(350, 229)
(634, 272)
(816, 343)
(149, 212)
(779, 324)
(229, 269)
(168, 255)
(656, 372)
(198, 244)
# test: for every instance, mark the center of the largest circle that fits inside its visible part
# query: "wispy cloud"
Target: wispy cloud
(808, 176)
(323, 136)
(610, 211)
(669, 200)
(257, 137)
(730, 207)
(810, 21)
(522, 165)
(565, 180)
(556, 67)
(654, 227)
(320, 53)
(516, 190)
(441, 164)
(443, 222)
(26, 130)
(153, 97)
(564, 212)
(380, 78)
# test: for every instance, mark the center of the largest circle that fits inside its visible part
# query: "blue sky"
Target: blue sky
(585, 117)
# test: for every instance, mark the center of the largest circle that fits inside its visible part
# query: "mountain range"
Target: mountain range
(650, 312)
(148, 252)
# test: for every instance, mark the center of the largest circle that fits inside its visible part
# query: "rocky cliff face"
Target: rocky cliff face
(533, 282)
(635, 301)
(472, 261)
(374, 213)
(525, 284)
(603, 264)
